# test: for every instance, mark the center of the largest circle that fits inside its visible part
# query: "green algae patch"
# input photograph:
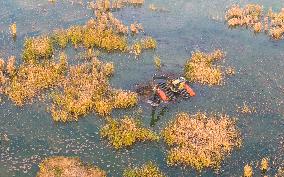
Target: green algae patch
(37, 48)
(125, 132)
(66, 167)
(201, 68)
(201, 140)
(148, 169)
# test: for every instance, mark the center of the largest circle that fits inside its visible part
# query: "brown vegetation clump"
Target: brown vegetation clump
(276, 30)
(249, 16)
(147, 170)
(246, 109)
(60, 37)
(143, 44)
(252, 16)
(248, 172)
(91, 35)
(13, 29)
(37, 48)
(11, 68)
(124, 99)
(136, 27)
(125, 132)
(200, 140)
(31, 79)
(86, 88)
(264, 165)
(67, 167)
(200, 68)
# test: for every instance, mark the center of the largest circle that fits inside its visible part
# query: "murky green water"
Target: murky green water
(187, 26)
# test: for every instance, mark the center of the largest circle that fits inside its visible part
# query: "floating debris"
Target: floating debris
(125, 132)
(147, 170)
(66, 167)
(201, 140)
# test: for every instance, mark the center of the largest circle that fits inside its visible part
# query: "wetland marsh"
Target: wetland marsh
(69, 71)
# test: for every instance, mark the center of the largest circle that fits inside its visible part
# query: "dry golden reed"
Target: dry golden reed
(66, 167)
(200, 68)
(125, 132)
(147, 170)
(248, 172)
(252, 16)
(85, 89)
(13, 29)
(201, 140)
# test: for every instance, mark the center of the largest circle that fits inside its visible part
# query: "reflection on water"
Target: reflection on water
(185, 27)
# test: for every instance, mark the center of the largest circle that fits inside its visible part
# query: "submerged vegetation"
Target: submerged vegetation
(252, 16)
(60, 166)
(201, 140)
(200, 68)
(147, 170)
(126, 132)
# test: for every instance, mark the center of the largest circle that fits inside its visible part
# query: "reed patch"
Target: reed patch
(148, 169)
(66, 167)
(201, 140)
(125, 132)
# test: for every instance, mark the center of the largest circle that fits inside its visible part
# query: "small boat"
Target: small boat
(166, 90)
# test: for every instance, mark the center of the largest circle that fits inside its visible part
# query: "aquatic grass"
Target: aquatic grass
(31, 79)
(125, 132)
(143, 44)
(253, 17)
(75, 34)
(157, 62)
(248, 172)
(60, 37)
(124, 99)
(280, 172)
(135, 28)
(264, 165)
(36, 49)
(246, 109)
(147, 170)
(85, 89)
(201, 140)
(60, 166)
(200, 68)
(11, 65)
(13, 29)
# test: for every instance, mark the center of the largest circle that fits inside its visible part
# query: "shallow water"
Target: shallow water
(187, 26)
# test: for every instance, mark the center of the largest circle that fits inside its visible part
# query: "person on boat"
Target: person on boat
(177, 84)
